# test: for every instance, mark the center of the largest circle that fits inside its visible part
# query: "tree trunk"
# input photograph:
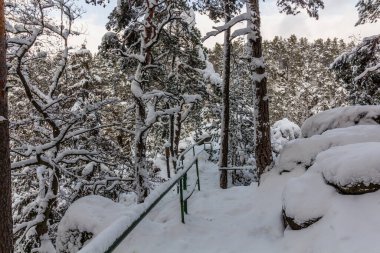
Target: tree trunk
(223, 160)
(141, 173)
(263, 148)
(42, 228)
(177, 132)
(6, 235)
(171, 141)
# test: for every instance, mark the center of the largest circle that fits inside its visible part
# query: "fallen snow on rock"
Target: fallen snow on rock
(341, 117)
(90, 214)
(353, 168)
(306, 199)
(284, 131)
(302, 152)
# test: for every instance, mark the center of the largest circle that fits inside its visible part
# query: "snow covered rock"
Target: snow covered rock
(85, 219)
(305, 200)
(349, 169)
(353, 169)
(341, 117)
(302, 152)
(284, 131)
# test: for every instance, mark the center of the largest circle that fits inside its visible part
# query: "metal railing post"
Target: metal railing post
(181, 201)
(199, 183)
(185, 181)
(185, 188)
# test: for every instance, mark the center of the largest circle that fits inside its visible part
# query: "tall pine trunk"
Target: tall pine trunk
(223, 160)
(6, 235)
(263, 149)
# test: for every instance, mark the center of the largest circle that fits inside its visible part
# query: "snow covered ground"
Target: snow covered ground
(248, 219)
(240, 219)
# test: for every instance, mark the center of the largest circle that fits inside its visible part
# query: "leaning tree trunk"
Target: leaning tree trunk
(223, 160)
(263, 149)
(6, 236)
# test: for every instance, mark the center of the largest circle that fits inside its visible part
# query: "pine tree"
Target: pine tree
(160, 39)
(359, 68)
(263, 150)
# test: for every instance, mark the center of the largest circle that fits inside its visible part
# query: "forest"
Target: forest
(159, 142)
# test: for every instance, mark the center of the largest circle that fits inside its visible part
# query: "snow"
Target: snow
(358, 163)
(248, 219)
(231, 23)
(209, 72)
(191, 98)
(109, 36)
(88, 169)
(341, 117)
(105, 238)
(307, 197)
(189, 18)
(214, 215)
(302, 152)
(284, 131)
(82, 52)
(91, 214)
(160, 162)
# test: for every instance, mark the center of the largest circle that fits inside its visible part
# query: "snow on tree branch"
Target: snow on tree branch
(230, 24)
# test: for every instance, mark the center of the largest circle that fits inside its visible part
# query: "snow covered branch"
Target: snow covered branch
(228, 25)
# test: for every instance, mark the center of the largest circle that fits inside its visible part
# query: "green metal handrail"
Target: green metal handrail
(179, 179)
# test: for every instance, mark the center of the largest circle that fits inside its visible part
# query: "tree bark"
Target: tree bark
(142, 188)
(141, 173)
(177, 132)
(223, 160)
(6, 235)
(171, 140)
(263, 148)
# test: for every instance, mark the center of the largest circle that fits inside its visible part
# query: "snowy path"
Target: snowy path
(248, 220)
(220, 221)
(238, 219)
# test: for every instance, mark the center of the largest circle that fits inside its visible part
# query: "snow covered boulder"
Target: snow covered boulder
(349, 169)
(283, 131)
(341, 117)
(302, 152)
(305, 200)
(85, 219)
(353, 169)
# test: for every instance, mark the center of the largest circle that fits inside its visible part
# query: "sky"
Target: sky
(336, 20)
